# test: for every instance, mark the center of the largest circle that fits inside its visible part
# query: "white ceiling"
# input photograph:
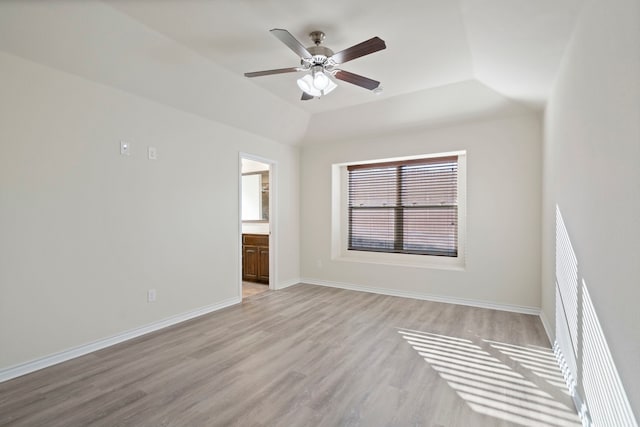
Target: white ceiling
(444, 59)
(512, 46)
(426, 40)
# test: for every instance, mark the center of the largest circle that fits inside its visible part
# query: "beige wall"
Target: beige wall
(591, 155)
(86, 232)
(503, 212)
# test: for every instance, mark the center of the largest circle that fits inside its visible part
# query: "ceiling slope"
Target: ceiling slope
(426, 41)
(433, 47)
(440, 106)
(445, 60)
(96, 42)
(517, 45)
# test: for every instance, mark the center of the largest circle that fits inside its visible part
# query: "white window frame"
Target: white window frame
(340, 220)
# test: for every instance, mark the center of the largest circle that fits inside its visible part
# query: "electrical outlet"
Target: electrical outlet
(153, 153)
(151, 295)
(125, 148)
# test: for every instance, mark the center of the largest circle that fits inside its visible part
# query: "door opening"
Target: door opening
(256, 225)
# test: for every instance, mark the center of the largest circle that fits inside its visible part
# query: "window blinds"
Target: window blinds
(405, 207)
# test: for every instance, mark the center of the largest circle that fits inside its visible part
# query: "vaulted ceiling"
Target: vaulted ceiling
(445, 59)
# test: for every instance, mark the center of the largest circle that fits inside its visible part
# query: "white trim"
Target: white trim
(339, 220)
(547, 327)
(576, 397)
(240, 266)
(273, 224)
(72, 353)
(427, 297)
(402, 260)
(572, 387)
(288, 283)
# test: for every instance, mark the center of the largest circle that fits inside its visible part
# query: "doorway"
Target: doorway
(256, 225)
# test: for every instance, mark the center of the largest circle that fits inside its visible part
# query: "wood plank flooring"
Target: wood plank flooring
(250, 288)
(309, 356)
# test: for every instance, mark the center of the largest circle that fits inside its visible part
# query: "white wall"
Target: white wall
(85, 231)
(503, 212)
(591, 173)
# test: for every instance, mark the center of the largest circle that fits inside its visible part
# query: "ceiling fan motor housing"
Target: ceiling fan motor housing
(319, 53)
(320, 56)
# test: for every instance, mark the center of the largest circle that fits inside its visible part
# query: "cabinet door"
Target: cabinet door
(250, 263)
(263, 264)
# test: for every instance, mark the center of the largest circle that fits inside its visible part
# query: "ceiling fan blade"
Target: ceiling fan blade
(361, 49)
(306, 96)
(357, 79)
(269, 72)
(285, 37)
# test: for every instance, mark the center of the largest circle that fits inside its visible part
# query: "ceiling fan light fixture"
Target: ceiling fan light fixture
(330, 86)
(320, 79)
(305, 84)
(319, 62)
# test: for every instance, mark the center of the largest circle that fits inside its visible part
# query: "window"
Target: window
(405, 206)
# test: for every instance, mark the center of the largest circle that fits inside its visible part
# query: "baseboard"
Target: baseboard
(547, 328)
(72, 353)
(566, 372)
(576, 397)
(427, 297)
(288, 283)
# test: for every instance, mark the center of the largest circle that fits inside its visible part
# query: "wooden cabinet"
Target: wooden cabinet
(255, 258)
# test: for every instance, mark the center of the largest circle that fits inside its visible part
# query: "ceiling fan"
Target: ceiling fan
(322, 64)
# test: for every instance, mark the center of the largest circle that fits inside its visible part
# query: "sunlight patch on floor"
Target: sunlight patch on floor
(498, 379)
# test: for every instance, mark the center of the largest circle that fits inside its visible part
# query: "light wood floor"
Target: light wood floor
(309, 356)
(249, 289)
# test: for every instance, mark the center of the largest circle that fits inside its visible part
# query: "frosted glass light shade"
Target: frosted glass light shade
(330, 86)
(306, 84)
(320, 80)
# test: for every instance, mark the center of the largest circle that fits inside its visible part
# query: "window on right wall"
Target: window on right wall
(413, 207)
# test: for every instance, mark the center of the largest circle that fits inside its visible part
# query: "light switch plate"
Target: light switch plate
(153, 153)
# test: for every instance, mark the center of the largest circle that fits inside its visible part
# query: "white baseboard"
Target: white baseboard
(576, 397)
(427, 297)
(72, 353)
(288, 283)
(547, 328)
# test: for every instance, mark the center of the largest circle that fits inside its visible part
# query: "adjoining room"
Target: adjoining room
(256, 230)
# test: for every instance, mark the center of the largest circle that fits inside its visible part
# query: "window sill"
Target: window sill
(403, 260)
